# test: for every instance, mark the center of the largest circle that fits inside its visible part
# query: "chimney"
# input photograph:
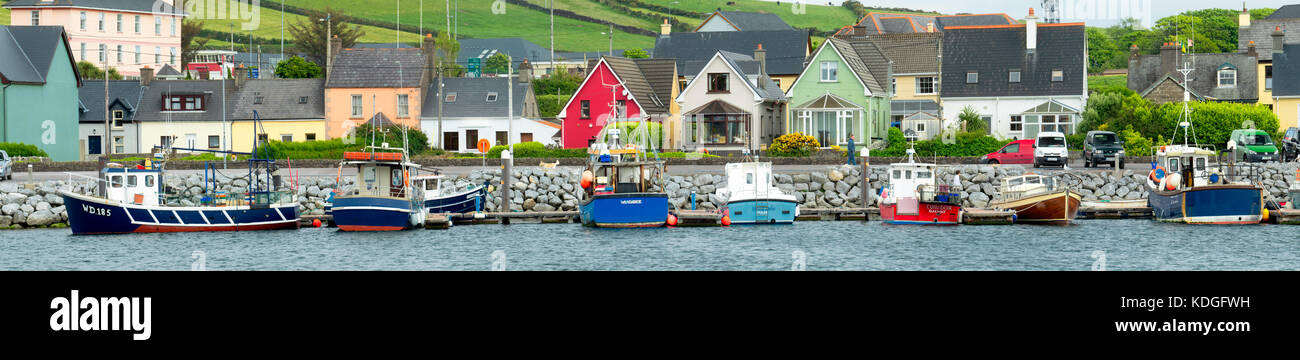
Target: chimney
(240, 75)
(336, 46)
(430, 50)
(1250, 49)
(1133, 52)
(929, 27)
(1243, 20)
(1168, 57)
(665, 28)
(1278, 38)
(525, 72)
(859, 30)
(760, 55)
(146, 75)
(1031, 31)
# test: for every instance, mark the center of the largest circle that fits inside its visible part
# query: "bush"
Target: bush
(20, 149)
(967, 144)
(793, 145)
(551, 105)
(320, 149)
(533, 149)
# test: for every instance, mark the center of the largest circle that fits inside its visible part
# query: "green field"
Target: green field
(268, 27)
(1107, 81)
(820, 17)
(4, 16)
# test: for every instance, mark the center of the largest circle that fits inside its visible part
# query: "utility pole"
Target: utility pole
(611, 39)
(552, 4)
(421, 18)
(440, 101)
(448, 5)
(232, 36)
(282, 29)
(397, 43)
(108, 120)
(510, 101)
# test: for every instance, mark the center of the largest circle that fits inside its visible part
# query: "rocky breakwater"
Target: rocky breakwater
(38, 206)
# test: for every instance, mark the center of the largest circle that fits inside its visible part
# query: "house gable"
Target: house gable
(599, 69)
(712, 67)
(821, 56)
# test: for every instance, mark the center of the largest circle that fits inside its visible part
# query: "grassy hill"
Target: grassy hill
(268, 31)
(4, 16)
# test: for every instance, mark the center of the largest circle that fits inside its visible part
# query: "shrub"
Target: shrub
(551, 105)
(967, 144)
(533, 149)
(20, 149)
(793, 145)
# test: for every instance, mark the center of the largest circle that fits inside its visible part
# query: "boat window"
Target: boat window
(1034, 180)
(132, 181)
(907, 175)
(429, 185)
(922, 174)
(749, 178)
(1173, 166)
(1016, 181)
(397, 177)
(148, 180)
(369, 175)
(1200, 164)
(116, 180)
(898, 174)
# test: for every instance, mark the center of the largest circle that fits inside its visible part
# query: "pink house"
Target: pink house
(615, 88)
(122, 34)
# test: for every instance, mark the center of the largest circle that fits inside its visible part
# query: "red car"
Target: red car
(1017, 152)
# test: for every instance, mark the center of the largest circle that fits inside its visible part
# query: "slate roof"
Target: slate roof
(150, 108)
(893, 23)
(517, 48)
(377, 68)
(873, 65)
(747, 66)
(281, 99)
(1286, 71)
(908, 107)
(1145, 73)
(650, 81)
(751, 21)
(786, 50)
(168, 70)
(916, 53)
(1286, 12)
(26, 53)
(1261, 32)
(124, 94)
(124, 5)
(471, 98)
(994, 51)
(382, 45)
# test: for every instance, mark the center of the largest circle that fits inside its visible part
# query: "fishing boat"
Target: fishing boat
(913, 196)
(383, 199)
(1185, 189)
(619, 190)
(1038, 199)
(442, 195)
(753, 197)
(135, 199)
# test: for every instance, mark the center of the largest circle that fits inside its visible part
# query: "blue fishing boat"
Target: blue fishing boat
(620, 193)
(442, 195)
(753, 197)
(383, 199)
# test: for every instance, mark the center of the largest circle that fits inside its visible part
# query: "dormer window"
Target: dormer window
(302, 100)
(118, 115)
(1227, 77)
(972, 77)
(1058, 75)
(257, 98)
(492, 97)
(183, 103)
(1013, 76)
(451, 98)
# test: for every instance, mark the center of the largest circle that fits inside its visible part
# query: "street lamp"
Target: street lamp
(611, 39)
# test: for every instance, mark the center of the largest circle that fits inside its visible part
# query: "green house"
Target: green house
(38, 90)
(843, 91)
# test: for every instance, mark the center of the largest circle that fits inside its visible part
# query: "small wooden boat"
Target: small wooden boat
(1038, 199)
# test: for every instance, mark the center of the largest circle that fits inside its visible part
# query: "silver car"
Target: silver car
(6, 166)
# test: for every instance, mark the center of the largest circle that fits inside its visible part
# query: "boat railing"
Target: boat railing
(253, 199)
(938, 193)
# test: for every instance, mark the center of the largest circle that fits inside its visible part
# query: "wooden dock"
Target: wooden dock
(1115, 210)
(1284, 216)
(971, 216)
(698, 218)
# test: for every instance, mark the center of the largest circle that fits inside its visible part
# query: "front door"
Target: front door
(451, 140)
(94, 146)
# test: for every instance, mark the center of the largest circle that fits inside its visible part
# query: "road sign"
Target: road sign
(484, 145)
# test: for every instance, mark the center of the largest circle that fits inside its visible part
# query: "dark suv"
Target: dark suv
(1103, 147)
(1291, 144)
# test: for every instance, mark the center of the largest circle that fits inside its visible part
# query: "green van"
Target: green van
(1252, 145)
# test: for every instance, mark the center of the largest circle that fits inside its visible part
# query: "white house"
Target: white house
(731, 104)
(476, 108)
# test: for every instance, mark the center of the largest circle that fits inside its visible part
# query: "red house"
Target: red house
(618, 87)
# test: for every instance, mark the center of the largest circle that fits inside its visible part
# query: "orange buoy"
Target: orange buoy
(586, 179)
(1173, 181)
(726, 220)
(315, 222)
(672, 220)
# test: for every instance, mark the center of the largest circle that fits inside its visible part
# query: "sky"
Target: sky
(1148, 10)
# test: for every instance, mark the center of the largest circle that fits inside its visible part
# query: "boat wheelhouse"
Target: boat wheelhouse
(753, 197)
(383, 199)
(914, 196)
(443, 195)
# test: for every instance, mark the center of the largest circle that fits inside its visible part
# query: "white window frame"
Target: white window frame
(972, 77)
(403, 105)
(933, 88)
(805, 119)
(119, 54)
(1230, 74)
(36, 18)
(1058, 75)
(1013, 121)
(1013, 76)
(157, 54)
(83, 20)
(137, 54)
(101, 21)
(137, 24)
(842, 119)
(920, 128)
(829, 71)
(119, 22)
(357, 106)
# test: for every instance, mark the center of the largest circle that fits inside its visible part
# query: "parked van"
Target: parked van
(1050, 150)
(1251, 145)
(1017, 152)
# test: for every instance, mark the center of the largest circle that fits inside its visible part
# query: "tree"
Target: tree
(972, 121)
(448, 47)
(297, 68)
(1101, 51)
(497, 64)
(189, 43)
(90, 72)
(310, 35)
(636, 53)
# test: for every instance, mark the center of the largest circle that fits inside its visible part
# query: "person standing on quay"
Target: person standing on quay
(853, 153)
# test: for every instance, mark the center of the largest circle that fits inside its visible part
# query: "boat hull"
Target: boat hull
(1213, 204)
(89, 215)
(928, 213)
(373, 213)
(1059, 208)
(630, 210)
(458, 204)
(763, 211)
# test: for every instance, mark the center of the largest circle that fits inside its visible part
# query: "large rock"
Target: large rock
(843, 187)
(529, 204)
(828, 186)
(819, 177)
(6, 220)
(835, 175)
(800, 178)
(15, 198)
(42, 218)
(9, 209)
(543, 207)
(803, 186)
(703, 179)
(979, 199)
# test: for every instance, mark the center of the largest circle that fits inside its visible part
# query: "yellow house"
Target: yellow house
(289, 109)
(915, 74)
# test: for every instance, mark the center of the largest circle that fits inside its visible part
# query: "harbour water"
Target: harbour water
(849, 245)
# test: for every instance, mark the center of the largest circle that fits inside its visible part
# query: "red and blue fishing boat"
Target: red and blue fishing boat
(913, 196)
(623, 184)
(383, 199)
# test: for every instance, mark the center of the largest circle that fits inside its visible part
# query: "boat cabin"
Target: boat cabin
(1192, 163)
(1018, 187)
(380, 174)
(620, 178)
(436, 186)
(752, 178)
(133, 185)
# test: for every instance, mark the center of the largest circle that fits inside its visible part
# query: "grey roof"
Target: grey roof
(168, 70)
(518, 49)
(1145, 72)
(126, 5)
(1286, 71)
(876, 23)
(1261, 32)
(908, 107)
(994, 52)
(150, 108)
(869, 62)
(472, 98)
(281, 99)
(382, 45)
(786, 50)
(752, 21)
(916, 53)
(747, 66)
(26, 52)
(377, 68)
(123, 95)
(1286, 12)
(650, 81)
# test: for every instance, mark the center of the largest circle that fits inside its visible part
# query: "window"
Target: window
(103, 53)
(925, 86)
(214, 141)
(101, 21)
(148, 181)
(119, 145)
(302, 100)
(356, 105)
(893, 86)
(681, 85)
(311, 136)
(173, 26)
(620, 108)
(83, 51)
(1014, 76)
(157, 54)
(1011, 149)
(119, 22)
(471, 139)
(501, 138)
(119, 54)
(525, 137)
(183, 103)
(1268, 77)
(586, 109)
(173, 56)
(725, 129)
(262, 138)
(920, 128)
(137, 24)
(137, 54)
(157, 25)
(492, 97)
(1058, 76)
(451, 98)
(450, 141)
(286, 137)
(718, 83)
(117, 118)
(83, 20)
(1017, 123)
(116, 180)
(403, 105)
(1227, 77)
(36, 18)
(829, 71)
(191, 141)
(972, 77)
(132, 181)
